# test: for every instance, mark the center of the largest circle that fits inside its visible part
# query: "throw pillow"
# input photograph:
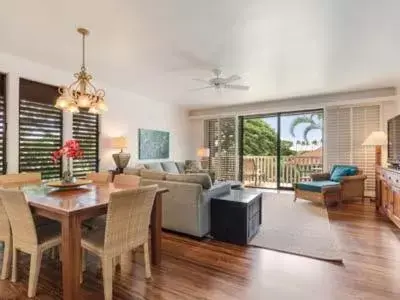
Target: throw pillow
(340, 171)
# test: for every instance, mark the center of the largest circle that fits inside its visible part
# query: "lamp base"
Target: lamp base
(121, 160)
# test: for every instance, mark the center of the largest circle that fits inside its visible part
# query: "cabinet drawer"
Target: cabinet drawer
(254, 208)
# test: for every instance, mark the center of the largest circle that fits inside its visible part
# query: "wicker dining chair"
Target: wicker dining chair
(26, 236)
(100, 177)
(126, 179)
(21, 179)
(127, 227)
(5, 237)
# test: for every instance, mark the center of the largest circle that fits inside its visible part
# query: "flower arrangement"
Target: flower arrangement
(71, 149)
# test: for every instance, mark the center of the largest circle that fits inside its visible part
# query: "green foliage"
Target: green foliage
(259, 138)
(313, 121)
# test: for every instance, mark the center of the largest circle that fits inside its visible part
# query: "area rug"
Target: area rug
(300, 228)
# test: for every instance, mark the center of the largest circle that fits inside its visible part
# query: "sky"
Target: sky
(286, 120)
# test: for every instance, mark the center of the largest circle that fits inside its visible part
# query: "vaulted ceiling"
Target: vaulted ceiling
(281, 48)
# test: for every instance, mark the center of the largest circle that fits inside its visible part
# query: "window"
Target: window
(3, 127)
(85, 129)
(40, 129)
(220, 137)
(346, 130)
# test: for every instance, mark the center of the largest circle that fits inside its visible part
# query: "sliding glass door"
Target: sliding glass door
(277, 150)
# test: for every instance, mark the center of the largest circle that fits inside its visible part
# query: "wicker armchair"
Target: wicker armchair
(352, 187)
(26, 236)
(127, 227)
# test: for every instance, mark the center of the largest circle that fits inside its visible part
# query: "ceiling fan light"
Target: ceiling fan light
(84, 101)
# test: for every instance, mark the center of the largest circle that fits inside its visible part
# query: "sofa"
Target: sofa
(186, 207)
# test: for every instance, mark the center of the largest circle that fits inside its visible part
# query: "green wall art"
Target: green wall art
(153, 144)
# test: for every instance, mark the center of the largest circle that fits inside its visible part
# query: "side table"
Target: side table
(236, 217)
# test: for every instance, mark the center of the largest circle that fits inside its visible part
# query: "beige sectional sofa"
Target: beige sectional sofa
(186, 207)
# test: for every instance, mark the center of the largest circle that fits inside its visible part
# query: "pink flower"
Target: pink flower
(71, 149)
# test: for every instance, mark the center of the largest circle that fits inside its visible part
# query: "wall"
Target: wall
(127, 113)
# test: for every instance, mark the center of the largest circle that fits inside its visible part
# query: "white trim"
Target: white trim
(266, 110)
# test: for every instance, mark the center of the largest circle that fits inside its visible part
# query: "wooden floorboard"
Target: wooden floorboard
(206, 269)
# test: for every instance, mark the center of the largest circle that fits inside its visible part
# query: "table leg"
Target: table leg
(71, 256)
(156, 218)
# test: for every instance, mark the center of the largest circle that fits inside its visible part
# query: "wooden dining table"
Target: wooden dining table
(70, 208)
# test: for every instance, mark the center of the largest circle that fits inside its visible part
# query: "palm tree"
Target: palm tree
(313, 121)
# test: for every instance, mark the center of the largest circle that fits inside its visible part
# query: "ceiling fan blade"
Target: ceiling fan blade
(201, 80)
(237, 87)
(232, 78)
(202, 88)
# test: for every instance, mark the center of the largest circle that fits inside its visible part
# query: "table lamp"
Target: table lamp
(377, 139)
(203, 153)
(121, 159)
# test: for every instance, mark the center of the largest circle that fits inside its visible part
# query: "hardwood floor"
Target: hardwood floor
(207, 269)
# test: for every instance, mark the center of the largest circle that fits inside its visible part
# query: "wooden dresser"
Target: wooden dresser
(388, 193)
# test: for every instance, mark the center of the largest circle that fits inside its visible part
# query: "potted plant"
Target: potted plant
(70, 150)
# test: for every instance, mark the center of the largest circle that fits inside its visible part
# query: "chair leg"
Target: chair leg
(14, 265)
(107, 267)
(146, 260)
(6, 259)
(36, 260)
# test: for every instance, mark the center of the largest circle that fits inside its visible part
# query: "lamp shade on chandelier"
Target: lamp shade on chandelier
(81, 93)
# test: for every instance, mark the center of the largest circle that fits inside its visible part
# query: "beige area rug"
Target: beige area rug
(299, 227)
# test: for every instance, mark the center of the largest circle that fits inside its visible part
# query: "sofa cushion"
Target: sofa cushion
(170, 167)
(154, 166)
(150, 174)
(132, 171)
(181, 166)
(316, 186)
(203, 179)
(339, 171)
(192, 166)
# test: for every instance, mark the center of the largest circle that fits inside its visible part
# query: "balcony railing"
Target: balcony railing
(261, 171)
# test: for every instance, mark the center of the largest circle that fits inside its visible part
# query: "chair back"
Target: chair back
(249, 166)
(17, 180)
(5, 230)
(20, 216)
(128, 218)
(101, 177)
(125, 179)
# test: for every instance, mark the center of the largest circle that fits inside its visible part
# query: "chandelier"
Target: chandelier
(81, 93)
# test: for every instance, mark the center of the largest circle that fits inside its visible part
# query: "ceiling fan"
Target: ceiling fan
(219, 82)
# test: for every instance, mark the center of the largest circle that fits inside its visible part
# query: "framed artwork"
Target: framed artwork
(153, 144)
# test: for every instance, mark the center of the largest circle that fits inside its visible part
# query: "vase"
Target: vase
(68, 176)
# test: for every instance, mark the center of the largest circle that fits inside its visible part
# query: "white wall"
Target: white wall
(127, 113)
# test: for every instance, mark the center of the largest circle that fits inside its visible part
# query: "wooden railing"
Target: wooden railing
(261, 170)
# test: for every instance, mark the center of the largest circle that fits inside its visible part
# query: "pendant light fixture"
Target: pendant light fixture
(81, 93)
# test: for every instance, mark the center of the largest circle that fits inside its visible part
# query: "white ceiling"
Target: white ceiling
(154, 48)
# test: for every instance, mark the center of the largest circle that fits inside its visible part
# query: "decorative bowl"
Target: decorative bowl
(68, 185)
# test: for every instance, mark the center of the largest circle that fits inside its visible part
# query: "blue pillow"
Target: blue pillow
(341, 171)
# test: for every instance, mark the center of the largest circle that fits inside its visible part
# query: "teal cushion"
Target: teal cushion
(339, 171)
(315, 186)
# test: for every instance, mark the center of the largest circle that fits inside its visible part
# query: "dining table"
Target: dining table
(71, 207)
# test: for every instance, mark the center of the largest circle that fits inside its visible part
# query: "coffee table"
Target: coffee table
(236, 217)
